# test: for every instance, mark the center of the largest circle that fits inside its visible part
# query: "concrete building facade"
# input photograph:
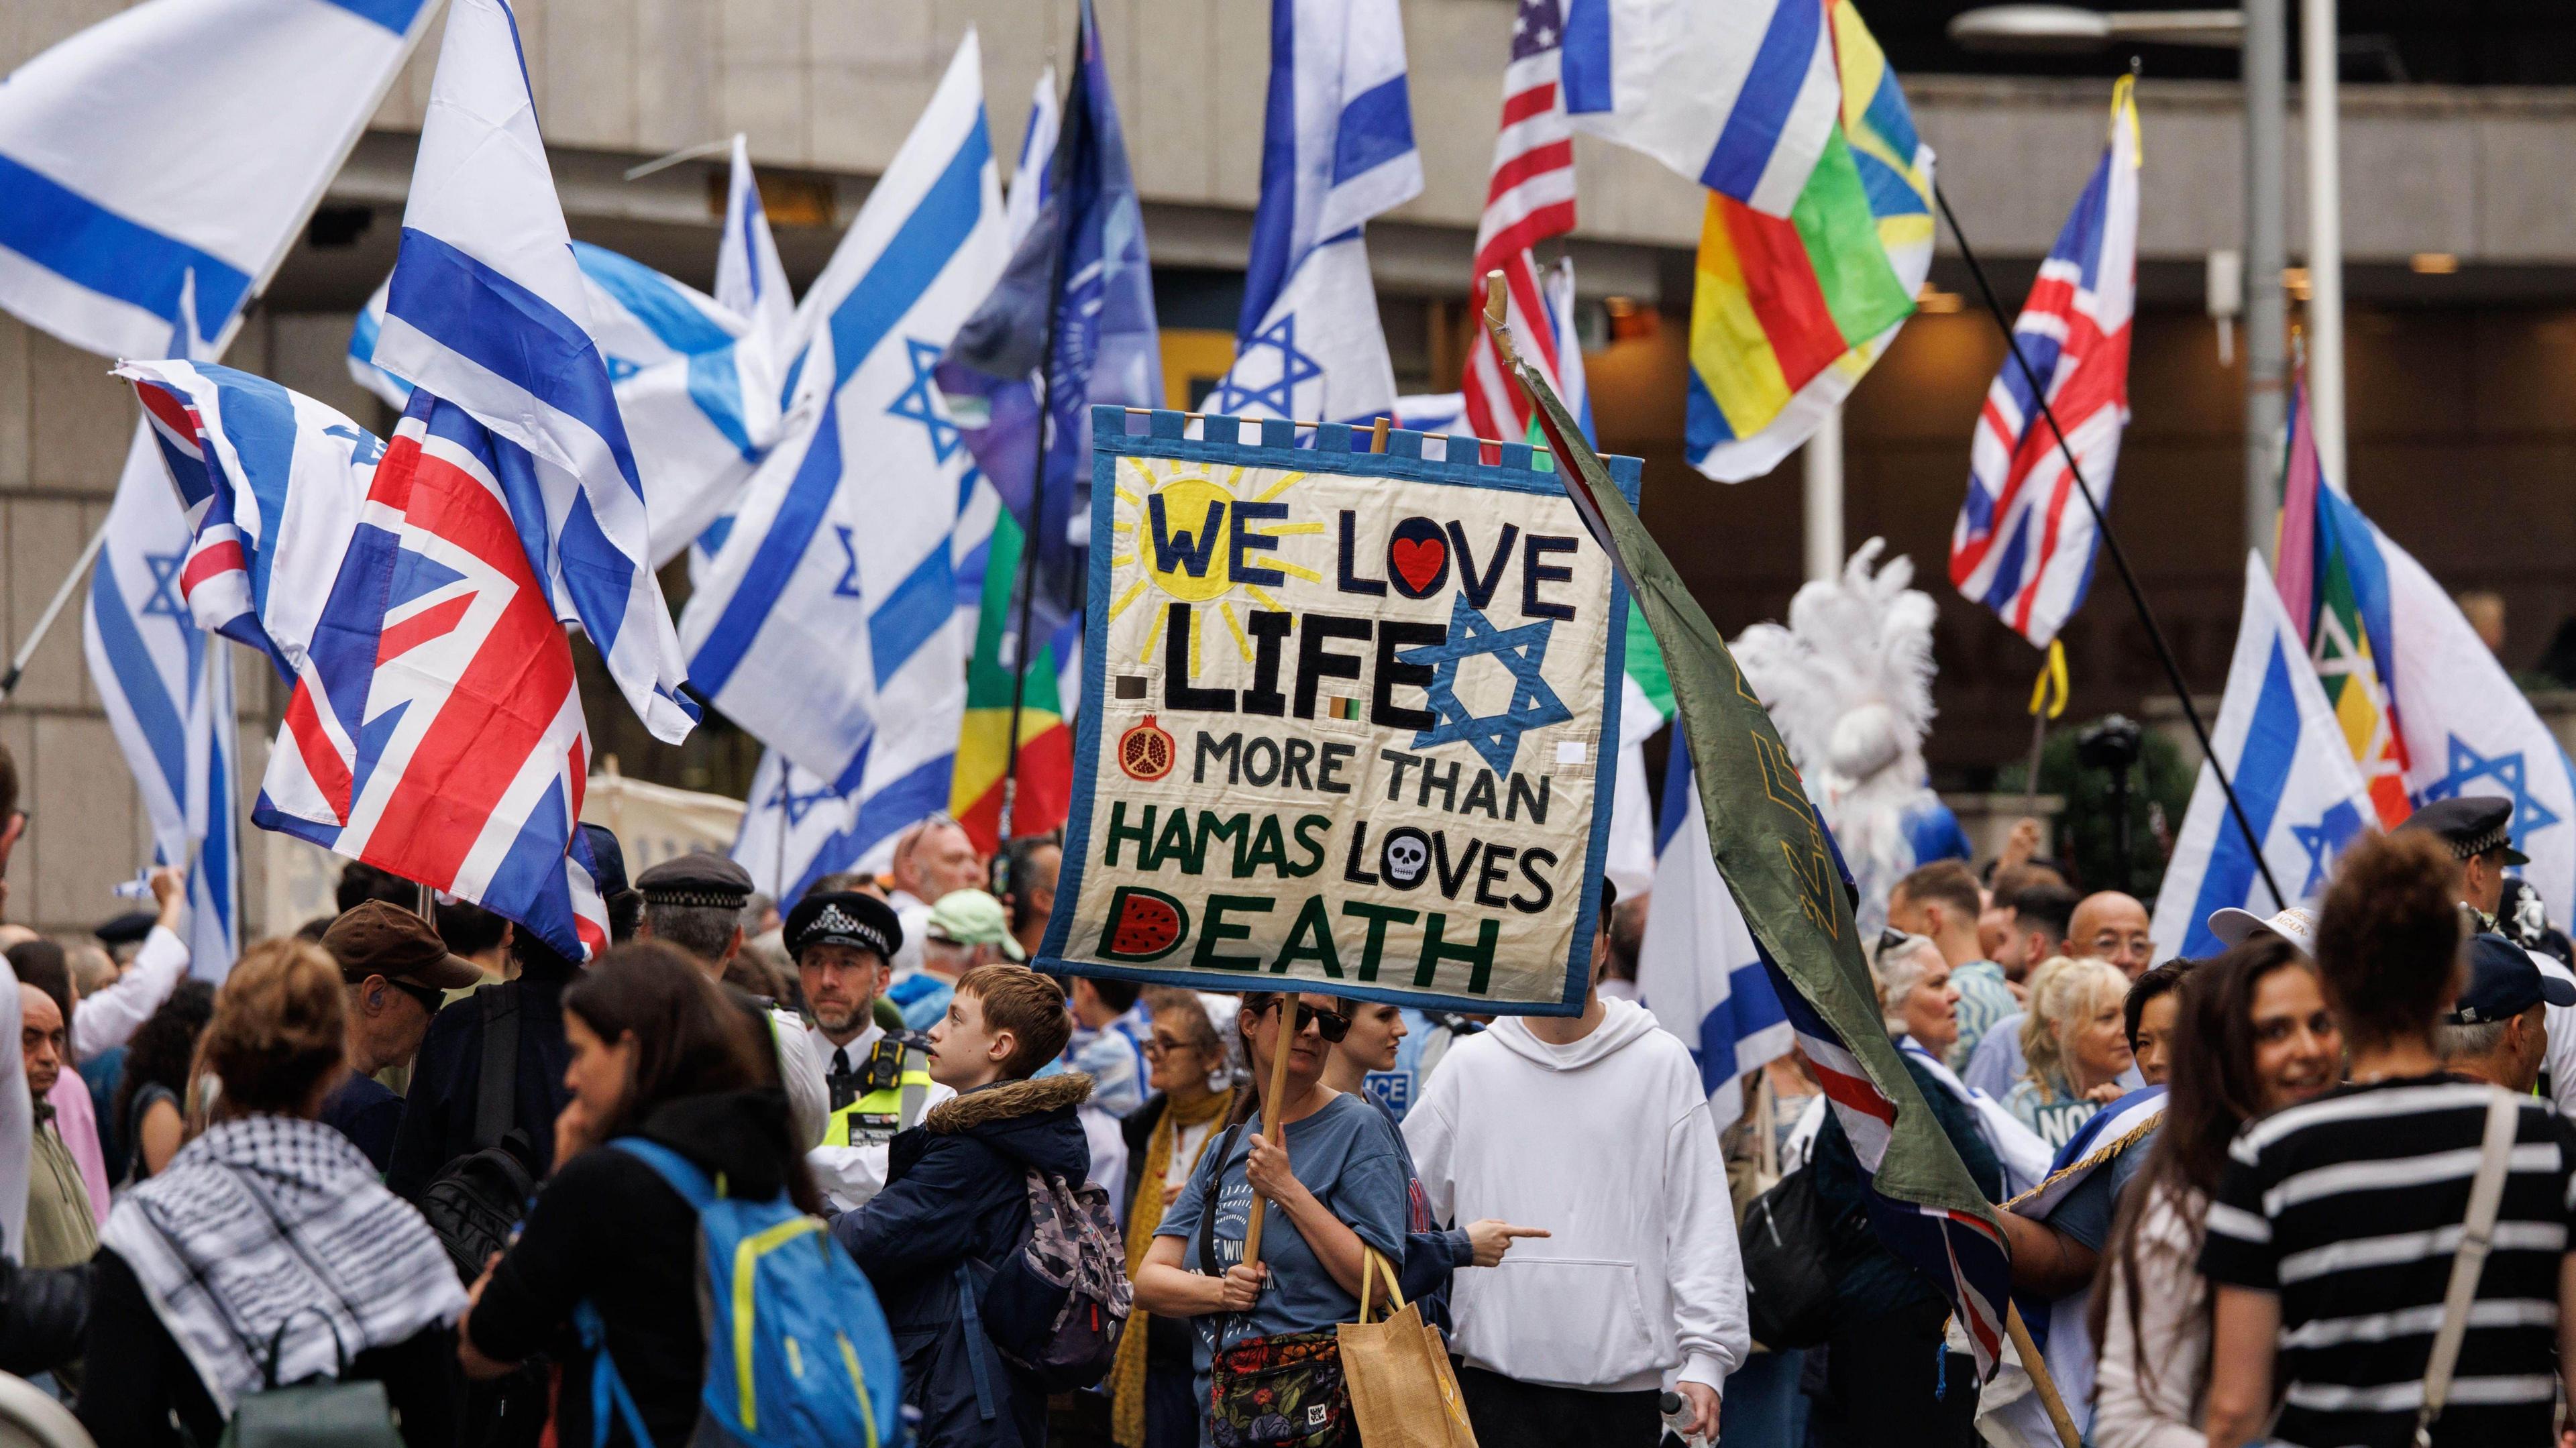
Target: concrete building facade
(2460, 232)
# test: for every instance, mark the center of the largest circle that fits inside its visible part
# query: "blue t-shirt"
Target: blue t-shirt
(1351, 1158)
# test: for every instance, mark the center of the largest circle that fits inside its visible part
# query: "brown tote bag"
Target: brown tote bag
(1403, 1394)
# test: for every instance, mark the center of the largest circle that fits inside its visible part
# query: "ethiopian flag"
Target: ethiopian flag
(1790, 312)
(1046, 734)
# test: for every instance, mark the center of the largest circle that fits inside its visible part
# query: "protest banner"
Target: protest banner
(1349, 719)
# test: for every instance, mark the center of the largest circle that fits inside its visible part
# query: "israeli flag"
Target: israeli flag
(796, 829)
(1698, 969)
(2466, 727)
(827, 626)
(697, 389)
(750, 281)
(172, 152)
(2294, 775)
(167, 686)
(1337, 148)
(487, 309)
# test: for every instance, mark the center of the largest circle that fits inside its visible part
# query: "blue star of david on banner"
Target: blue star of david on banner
(1281, 395)
(164, 601)
(1534, 705)
(2324, 841)
(848, 586)
(917, 403)
(797, 806)
(2467, 766)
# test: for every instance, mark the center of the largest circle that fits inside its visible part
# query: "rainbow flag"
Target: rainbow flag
(2326, 605)
(1790, 312)
(1046, 726)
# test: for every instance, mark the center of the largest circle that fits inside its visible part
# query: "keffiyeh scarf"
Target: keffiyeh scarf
(272, 1222)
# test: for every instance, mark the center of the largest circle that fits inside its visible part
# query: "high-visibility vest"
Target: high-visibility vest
(894, 1085)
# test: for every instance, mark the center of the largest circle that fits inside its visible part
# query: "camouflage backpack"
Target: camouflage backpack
(1057, 1305)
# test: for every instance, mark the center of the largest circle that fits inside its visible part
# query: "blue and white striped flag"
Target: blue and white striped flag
(167, 686)
(827, 626)
(487, 309)
(698, 392)
(2294, 774)
(176, 140)
(1698, 969)
(751, 283)
(1337, 148)
(1740, 96)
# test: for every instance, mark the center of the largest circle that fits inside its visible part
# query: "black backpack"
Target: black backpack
(1794, 1251)
(475, 1201)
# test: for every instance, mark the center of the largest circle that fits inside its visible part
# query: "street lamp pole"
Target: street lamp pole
(2267, 320)
(2319, 83)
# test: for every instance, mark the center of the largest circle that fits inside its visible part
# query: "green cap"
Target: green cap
(972, 917)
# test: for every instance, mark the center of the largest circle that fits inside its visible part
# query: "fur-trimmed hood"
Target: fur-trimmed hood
(1028, 1123)
(1003, 1100)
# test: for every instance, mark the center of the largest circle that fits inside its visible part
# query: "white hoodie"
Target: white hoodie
(1608, 1144)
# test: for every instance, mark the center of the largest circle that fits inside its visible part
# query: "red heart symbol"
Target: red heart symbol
(1419, 563)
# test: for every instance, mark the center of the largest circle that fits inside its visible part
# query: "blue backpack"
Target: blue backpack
(798, 1355)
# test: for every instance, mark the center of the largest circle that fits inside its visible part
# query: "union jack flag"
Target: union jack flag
(436, 730)
(2025, 544)
(270, 482)
(1529, 198)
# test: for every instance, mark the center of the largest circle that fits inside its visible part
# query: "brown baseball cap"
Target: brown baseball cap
(382, 938)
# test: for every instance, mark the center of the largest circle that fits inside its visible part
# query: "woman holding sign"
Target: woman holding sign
(1333, 1188)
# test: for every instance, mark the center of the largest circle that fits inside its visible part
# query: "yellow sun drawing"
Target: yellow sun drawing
(1178, 530)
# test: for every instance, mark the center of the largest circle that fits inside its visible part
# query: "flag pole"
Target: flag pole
(2034, 1362)
(45, 621)
(2111, 543)
(1021, 653)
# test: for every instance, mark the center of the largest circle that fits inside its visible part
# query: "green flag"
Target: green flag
(1764, 834)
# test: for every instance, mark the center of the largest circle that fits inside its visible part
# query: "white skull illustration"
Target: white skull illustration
(1406, 856)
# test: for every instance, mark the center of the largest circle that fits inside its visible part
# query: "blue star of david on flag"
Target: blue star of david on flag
(2467, 766)
(165, 601)
(794, 805)
(2324, 841)
(1534, 705)
(917, 403)
(1280, 395)
(848, 584)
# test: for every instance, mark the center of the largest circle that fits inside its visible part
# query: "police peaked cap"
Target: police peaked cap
(844, 917)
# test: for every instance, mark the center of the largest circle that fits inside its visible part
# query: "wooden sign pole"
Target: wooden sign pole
(1272, 1129)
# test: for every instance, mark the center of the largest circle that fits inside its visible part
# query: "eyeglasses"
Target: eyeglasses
(1162, 1046)
(1333, 1024)
(1891, 940)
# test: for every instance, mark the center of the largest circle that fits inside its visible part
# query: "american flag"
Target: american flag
(2024, 545)
(1529, 199)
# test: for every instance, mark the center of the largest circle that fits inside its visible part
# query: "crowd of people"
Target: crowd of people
(418, 1153)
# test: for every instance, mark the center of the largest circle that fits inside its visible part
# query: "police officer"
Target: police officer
(879, 1084)
(695, 902)
(2479, 830)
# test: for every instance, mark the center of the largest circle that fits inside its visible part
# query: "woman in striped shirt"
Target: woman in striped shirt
(2329, 1242)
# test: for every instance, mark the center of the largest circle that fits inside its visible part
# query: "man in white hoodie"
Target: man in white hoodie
(1595, 1127)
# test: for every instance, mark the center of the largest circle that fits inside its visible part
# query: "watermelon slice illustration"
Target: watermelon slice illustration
(1143, 924)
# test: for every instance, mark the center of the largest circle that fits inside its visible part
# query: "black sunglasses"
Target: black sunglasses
(430, 1000)
(1333, 1024)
